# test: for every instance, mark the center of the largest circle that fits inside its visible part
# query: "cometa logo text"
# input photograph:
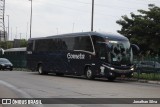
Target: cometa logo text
(75, 56)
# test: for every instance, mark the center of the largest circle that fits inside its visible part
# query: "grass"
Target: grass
(147, 76)
(20, 69)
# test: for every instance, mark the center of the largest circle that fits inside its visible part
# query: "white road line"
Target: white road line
(20, 93)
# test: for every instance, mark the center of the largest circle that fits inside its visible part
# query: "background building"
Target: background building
(3, 37)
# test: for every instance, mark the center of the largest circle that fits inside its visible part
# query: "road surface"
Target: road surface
(20, 84)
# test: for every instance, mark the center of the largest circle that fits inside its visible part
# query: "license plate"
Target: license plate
(8, 66)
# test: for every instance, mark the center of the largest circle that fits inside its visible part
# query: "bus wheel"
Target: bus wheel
(89, 73)
(40, 71)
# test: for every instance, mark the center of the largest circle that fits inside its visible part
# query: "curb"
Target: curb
(150, 82)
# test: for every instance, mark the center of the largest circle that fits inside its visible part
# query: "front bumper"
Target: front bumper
(7, 67)
(110, 71)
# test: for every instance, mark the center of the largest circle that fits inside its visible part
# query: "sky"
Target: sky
(52, 17)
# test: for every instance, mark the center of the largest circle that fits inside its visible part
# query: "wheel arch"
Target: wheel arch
(86, 66)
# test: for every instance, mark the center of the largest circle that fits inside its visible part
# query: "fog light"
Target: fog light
(110, 73)
(132, 74)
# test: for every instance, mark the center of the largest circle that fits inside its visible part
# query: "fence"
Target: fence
(19, 61)
(147, 68)
(17, 58)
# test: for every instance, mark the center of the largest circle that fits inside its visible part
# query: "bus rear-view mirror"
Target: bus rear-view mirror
(135, 49)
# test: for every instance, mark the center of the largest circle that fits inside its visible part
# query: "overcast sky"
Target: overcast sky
(51, 17)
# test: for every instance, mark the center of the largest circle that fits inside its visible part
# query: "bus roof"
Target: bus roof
(101, 34)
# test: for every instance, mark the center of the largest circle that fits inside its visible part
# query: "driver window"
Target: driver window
(101, 50)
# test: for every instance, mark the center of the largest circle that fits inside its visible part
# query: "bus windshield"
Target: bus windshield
(120, 53)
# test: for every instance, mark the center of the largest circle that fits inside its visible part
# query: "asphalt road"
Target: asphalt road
(20, 84)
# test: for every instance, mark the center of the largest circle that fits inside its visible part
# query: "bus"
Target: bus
(92, 54)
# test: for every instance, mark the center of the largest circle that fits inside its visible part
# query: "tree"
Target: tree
(143, 29)
(23, 43)
(6, 44)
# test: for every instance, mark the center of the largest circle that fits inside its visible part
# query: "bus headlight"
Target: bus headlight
(112, 68)
(132, 69)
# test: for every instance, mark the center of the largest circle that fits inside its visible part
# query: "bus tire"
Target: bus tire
(89, 73)
(40, 70)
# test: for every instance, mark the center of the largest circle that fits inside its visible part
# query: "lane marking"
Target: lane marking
(18, 92)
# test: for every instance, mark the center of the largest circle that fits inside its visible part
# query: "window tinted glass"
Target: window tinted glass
(83, 43)
(43, 45)
(30, 46)
(78, 43)
(69, 42)
(2, 60)
(66, 43)
(58, 44)
(97, 39)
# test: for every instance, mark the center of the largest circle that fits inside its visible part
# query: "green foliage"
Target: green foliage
(10, 44)
(23, 43)
(143, 29)
(150, 76)
(5, 45)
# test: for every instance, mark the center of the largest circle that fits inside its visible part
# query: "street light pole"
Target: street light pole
(92, 15)
(8, 27)
(3, 20)
(31, 20)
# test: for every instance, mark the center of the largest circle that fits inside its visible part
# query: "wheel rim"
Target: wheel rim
(40, 70)
(89, 73)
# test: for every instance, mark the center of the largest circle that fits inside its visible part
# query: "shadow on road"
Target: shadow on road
(118, 80)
